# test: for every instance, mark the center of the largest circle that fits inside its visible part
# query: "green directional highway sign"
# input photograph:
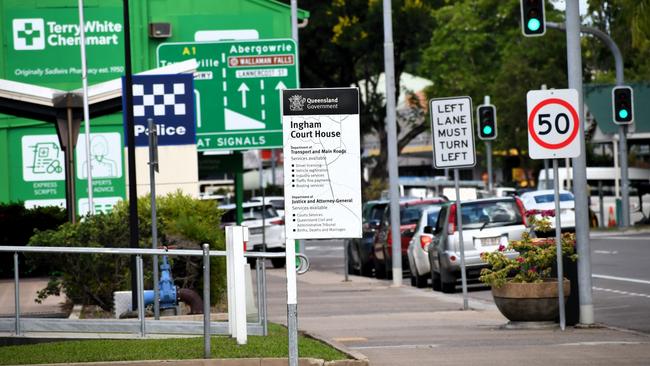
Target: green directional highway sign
(237, 88)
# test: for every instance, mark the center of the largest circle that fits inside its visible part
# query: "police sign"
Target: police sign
(169, 101)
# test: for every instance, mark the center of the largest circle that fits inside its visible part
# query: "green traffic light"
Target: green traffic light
(487, 130)
(623, 113)
(534, 24)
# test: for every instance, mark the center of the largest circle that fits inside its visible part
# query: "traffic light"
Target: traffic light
(623, 105)
(533, 22)
(487, 122)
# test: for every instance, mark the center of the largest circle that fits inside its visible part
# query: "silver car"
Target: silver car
(418, 247)
(487, 225)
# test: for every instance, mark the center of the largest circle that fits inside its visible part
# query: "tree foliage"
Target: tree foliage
(477, 49)
(343, 46)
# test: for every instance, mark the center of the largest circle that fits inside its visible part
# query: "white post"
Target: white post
(230, 289)
(292, 302)
(240, 235)
(84, 82)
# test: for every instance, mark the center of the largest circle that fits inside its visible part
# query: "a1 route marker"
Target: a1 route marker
(553, 124)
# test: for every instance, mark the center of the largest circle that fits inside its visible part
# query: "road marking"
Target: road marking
(624, 279)
(350, 339)
(626, 293)
(408, 346)
(636, 238)
(613, 252)
(603, 343)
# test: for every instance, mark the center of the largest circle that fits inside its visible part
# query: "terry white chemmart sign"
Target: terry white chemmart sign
(44, 47)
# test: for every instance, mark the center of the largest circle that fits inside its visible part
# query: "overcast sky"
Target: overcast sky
(559, 4)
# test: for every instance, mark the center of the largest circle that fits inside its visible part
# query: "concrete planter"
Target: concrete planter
(529, 301)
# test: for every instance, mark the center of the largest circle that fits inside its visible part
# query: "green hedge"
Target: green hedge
(183, 222)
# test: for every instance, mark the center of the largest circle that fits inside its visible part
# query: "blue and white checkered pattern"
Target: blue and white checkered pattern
(161, 100)
(168, 100)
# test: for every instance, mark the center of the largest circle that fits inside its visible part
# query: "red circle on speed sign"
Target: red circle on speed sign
(568, 140)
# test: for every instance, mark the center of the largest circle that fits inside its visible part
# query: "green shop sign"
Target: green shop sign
(43, 45)
(237, 89)
(38, 175)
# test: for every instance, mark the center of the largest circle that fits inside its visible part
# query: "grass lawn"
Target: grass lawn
(274, 345)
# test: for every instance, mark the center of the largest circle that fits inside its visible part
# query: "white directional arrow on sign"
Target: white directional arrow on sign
(280, 86)
(243, 88)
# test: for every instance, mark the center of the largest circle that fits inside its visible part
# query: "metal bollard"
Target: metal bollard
(17, 293)
(206, 301)
(265, 323)
(140, 289)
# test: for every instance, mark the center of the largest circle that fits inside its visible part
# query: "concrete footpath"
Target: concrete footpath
(409, 326)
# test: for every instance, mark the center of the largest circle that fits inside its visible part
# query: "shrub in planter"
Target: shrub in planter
(183, 222)
(509, 277)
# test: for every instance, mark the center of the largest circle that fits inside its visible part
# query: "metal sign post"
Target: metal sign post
(459, 220)
(558, 246)
(322, 189)
(554, 133)
(153, 169)
(453, 147)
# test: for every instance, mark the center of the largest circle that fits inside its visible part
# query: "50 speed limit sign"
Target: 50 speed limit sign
(553, 124)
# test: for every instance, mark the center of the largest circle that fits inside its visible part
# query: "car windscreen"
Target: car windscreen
(377, 212)
(411, 214)
(250, 213)
(277, 204)
(490, 213)
(432, 216)
(546, 198)
(256, 212)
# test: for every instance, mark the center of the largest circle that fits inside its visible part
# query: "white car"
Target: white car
(276, 201)
(417, 251)
(544, 200)
(259, 219)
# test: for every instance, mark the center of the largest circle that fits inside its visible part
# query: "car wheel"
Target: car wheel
(278, 262)
(380, 270)
(413, 283)
(420, 281)
(448, 282)
(366, 269)
(436, 284)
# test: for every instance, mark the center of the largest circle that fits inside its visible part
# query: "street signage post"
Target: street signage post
(554, 133)
(453, 147)
(236, 87)
(322, 175)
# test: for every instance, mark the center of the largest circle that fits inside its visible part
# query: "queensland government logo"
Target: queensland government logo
(297, 103)
(29, 34)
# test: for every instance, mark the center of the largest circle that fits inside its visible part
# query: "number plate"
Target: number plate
(489, 242)
(255, 231)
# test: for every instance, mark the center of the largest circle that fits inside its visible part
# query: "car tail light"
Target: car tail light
(245, 245)
(452, 219)
(425, 239)
(277, 222)
(522, 210)
(452, 258)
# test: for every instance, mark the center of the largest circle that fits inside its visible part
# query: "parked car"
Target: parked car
(487, 224)
(410, 210)
(272, 225)
(417, 251)
(545, 200)
(276, 201)
(360, 253)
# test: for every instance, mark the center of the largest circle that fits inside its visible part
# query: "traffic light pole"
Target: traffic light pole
(488, 153)
(620, 80)
(574, 70)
